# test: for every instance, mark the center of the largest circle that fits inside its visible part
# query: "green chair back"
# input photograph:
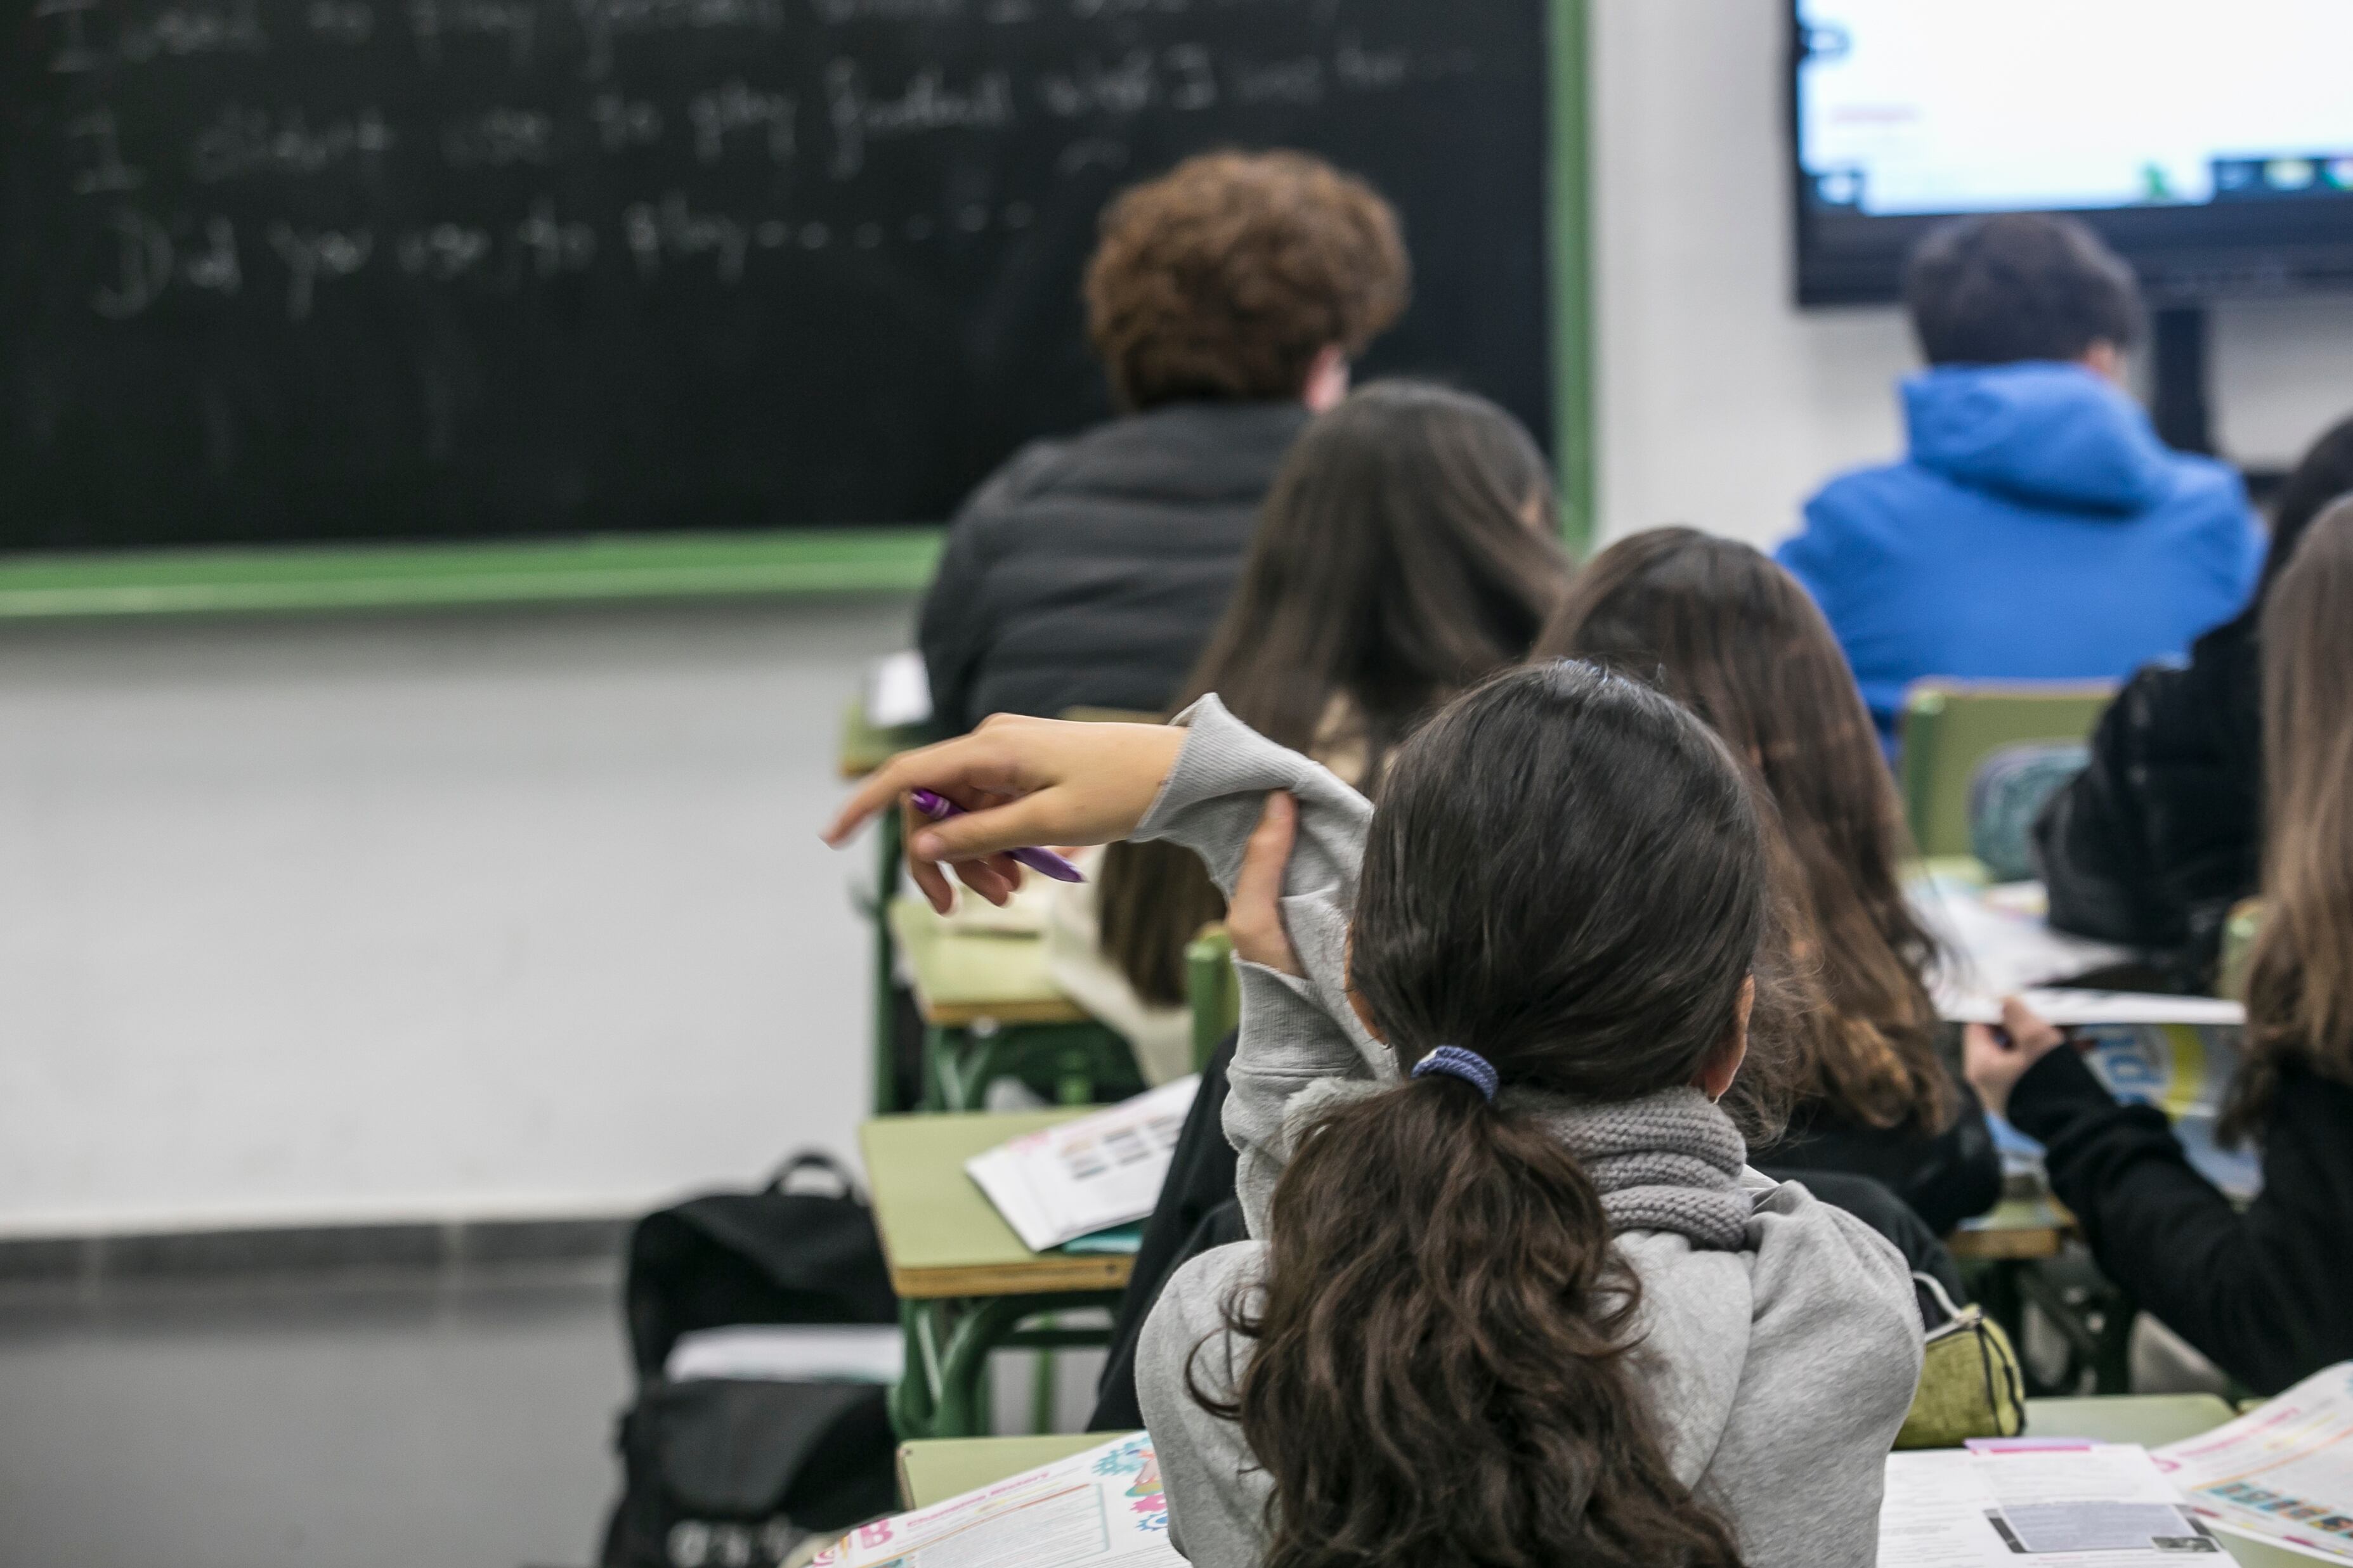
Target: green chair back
(1215, 993)
(1950, 727)
(2239, 949)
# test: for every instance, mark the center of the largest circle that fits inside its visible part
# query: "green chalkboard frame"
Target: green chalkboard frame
(783, 564)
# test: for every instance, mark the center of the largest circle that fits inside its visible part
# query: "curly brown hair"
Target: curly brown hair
(1227, 276)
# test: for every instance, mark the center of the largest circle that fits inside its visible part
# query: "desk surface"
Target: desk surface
(947, 1468)
(865, 748)
(2018, 1228)
(961, 977)
(941, 1234)
(936, 1471)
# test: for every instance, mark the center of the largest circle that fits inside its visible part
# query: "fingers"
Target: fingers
(955, 768)
(1267, 856)
(1254, 915)
(2027, 1030)
(990, 830)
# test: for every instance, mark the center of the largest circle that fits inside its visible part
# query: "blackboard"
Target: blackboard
(279, 270)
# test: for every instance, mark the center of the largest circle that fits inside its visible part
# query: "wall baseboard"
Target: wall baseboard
(302, 1252)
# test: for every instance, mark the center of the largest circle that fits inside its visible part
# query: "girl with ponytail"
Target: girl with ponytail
(1514, 1298)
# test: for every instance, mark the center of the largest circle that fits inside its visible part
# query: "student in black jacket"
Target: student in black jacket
(1736, 639)
(1226, 300)
(2156, 839)
(2267, 1294)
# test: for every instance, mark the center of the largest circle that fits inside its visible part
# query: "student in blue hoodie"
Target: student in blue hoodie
(2038, 530)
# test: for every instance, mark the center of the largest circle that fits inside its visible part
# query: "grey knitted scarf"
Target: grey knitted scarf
(1670, 1160)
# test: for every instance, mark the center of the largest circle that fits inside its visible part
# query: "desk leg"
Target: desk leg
(994, 1324)
(886, 978)
(914, 1398)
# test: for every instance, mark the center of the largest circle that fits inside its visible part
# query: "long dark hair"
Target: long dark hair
(1564, 874)
(1405, 551)
(1734, 638)
(2300, 976)
(2322, 477)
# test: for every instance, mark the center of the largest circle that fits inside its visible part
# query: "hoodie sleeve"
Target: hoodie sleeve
(1834, 1353)
(1298, 1034)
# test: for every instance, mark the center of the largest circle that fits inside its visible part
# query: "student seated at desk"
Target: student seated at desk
(2037, 530)
(1484, 1036)
(2267, 1294)
(1226, 300)
(1405, 553)
(2154, 843)
(1732, 636)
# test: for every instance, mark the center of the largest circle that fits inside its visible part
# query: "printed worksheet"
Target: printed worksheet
(2031, 1504)
(1101, 1507)
(2283, 1472)
(1090, 1174)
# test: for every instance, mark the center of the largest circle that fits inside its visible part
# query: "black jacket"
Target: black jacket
(2160, 837)
(1090, 572)
(1952, 1176)
(2267, 1294)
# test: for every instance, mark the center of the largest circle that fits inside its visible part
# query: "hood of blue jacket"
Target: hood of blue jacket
(2051, 435)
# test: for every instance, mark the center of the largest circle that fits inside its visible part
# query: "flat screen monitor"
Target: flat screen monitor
(2210, 140)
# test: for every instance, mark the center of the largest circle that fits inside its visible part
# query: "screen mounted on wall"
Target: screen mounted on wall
(2211, 140)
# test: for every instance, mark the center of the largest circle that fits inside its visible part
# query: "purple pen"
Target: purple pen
(939, 808)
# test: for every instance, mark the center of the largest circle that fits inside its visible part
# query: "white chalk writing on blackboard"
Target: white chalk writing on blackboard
(498, 139)
(143, 257)
(99, 144)
(312, 255)
(513, 23)
(242, 140)
(734, 107)
(340, 21)
(604, 22)
(624, 123)
(926, 103)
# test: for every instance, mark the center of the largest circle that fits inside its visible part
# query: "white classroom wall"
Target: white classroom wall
(424, 916)
(510, 914)
(1722, 405)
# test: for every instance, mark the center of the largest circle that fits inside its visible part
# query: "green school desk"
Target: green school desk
(947, 1468)
(934, 1472)
(966, 1284)
(991, 1011)
(863, 749)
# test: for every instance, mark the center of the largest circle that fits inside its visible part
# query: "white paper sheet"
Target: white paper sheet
(1999, 941)
(1090, 1174)
(2037, 1506)
(2071, 1009)
(1103, 1506)
(898, 691)
(2283, 1472)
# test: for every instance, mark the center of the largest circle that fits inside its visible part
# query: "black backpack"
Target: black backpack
(721, 1473)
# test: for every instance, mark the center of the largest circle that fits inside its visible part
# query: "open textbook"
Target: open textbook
(1086, 1175)
(2037, 1504)
(2281, 1473)
(1101, 1507)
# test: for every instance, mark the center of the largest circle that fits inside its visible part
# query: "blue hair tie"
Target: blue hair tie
(1468, 1066)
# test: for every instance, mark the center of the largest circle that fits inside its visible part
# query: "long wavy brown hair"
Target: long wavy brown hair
(1731, 635)
(1565, 874)
(1405, 553)
(2300, 976)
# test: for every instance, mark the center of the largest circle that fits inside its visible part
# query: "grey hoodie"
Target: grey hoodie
(1780, 1371)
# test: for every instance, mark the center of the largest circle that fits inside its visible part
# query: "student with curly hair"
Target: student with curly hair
(1226, 300)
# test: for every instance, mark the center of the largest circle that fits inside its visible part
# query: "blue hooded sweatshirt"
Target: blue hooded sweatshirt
(2039, 531)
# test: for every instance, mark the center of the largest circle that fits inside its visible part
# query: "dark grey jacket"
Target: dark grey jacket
(1091, 572)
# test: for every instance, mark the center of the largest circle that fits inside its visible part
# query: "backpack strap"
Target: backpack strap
(844, 1184)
